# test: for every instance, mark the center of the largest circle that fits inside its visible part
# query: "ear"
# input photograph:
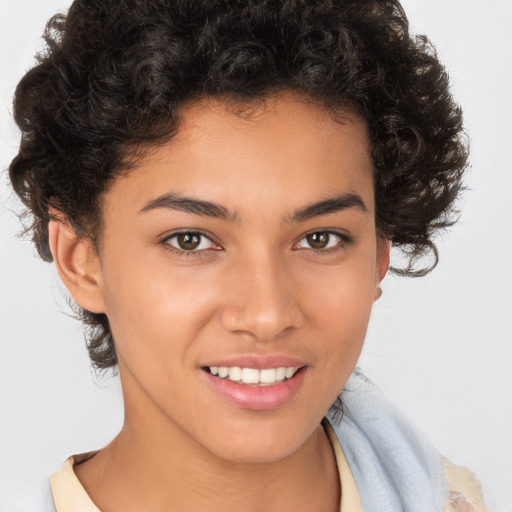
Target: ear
(382, 267)
(77, 263)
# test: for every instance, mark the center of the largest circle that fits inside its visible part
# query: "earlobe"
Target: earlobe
(77, 263)
(383, 258)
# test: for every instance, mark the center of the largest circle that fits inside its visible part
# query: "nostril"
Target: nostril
(263, 322)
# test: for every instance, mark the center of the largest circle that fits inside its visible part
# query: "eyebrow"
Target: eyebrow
(329, 206)
(215, 210)
(190, 205)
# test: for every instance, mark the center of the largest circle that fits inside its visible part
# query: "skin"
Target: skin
(258, 287)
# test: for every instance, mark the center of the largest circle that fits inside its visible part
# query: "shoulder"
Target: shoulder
(465, 491)
(393, 463)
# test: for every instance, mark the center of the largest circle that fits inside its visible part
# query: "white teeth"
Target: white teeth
(235, 373)
(265, 377)
(289, 372)
(249, 376)
(281, 372)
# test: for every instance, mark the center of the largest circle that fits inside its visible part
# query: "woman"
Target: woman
(220, 205)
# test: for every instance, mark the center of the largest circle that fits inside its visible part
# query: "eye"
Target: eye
(322, 240)
(189, 241)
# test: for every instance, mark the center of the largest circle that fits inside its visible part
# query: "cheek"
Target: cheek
(155, 311)
(343, 293)
(339, 304)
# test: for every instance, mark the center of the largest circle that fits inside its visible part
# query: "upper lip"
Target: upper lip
(259, 362)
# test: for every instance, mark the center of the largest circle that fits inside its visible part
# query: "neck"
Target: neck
(154, 465)
(128, 476)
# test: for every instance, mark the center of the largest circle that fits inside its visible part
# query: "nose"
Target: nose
(262, 301)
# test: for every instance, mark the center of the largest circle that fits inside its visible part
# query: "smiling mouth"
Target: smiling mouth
(253, 376)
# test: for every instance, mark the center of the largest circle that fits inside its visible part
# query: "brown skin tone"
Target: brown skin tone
(254, 286)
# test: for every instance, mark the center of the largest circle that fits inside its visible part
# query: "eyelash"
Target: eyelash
(345, 240)
(182, 252)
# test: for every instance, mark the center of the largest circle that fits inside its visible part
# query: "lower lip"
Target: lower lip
(258, 398)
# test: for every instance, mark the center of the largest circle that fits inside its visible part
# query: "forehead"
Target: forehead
(283, 149)
(288, 121)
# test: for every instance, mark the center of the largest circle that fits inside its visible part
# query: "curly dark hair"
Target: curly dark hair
(116, 72)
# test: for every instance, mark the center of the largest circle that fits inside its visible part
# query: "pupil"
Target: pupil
(188, 241)
(318, 240)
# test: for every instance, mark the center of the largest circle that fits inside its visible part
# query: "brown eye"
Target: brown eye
(190, 241)
(318, 240)
(321, 240)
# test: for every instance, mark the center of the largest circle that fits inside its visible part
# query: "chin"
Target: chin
(257, 454)
(257, 444)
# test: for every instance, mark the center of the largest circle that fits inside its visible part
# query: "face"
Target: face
(246, 246)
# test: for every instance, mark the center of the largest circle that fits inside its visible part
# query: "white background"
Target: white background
(440, 346)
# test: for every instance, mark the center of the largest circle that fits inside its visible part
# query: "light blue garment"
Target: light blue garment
(394, 468)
